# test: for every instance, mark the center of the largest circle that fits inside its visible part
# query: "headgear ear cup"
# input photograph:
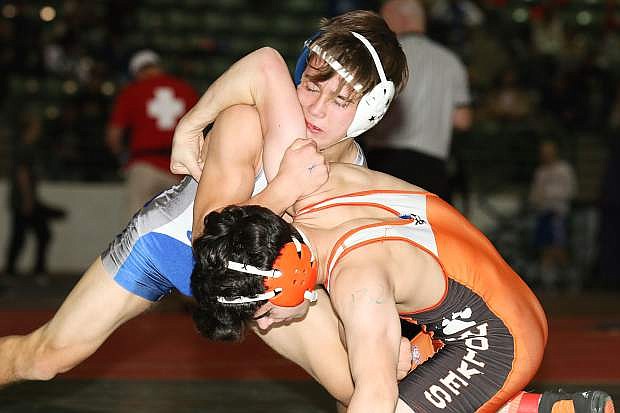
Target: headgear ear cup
(299, 275)
(373, 105)
(291, 280)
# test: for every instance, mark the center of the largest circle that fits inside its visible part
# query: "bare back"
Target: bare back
(345, 178)
(329, 225)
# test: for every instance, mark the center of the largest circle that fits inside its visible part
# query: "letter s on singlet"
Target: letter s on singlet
(438, 396)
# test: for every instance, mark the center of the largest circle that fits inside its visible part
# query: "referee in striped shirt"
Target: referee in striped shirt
(413, 140)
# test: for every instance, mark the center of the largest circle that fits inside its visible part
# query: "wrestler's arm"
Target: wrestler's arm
(231, 165)
(363, 299)
(261, 79)
(462, 118)
(91, 312)
(321, 355)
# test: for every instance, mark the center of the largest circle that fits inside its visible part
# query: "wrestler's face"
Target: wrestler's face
(328, 108)
(270, 314)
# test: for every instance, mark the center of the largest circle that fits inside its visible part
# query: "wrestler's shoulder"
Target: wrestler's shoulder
(361, 178)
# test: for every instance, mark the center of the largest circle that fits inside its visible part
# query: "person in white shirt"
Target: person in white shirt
(553, 188)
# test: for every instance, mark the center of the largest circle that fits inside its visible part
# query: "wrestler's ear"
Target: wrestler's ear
(264, 323)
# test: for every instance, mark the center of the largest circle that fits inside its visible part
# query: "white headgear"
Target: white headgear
(373, 105)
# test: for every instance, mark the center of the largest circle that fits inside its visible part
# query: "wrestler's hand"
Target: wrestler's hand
(404, 359)
(185, 158)
(303, 169)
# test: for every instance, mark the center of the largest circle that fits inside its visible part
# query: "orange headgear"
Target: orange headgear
(289, 283)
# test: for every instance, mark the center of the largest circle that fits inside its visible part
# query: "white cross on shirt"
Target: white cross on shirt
(165, 108)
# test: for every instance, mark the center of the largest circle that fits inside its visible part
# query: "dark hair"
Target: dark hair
(336, 39)
(250, 235)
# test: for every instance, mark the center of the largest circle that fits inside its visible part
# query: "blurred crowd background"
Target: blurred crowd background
(538, 69)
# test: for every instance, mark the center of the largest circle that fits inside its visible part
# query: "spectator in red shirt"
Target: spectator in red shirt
(150, 108)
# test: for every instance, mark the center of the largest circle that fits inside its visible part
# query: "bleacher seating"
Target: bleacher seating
(199, 39)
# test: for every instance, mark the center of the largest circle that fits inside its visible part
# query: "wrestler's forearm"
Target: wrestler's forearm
(373, 398)
(274, 197)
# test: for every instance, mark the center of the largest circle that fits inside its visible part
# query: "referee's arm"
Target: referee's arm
(462, 118)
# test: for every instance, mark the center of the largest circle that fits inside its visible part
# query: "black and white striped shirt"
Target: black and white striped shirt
(421, 117)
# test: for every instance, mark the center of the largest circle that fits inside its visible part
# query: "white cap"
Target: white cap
(142, 58)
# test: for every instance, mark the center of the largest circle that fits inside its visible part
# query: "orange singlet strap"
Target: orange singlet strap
(339, 248)
(349, 199)
(415, 231)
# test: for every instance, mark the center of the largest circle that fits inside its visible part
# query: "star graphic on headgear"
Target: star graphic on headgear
(372, 118)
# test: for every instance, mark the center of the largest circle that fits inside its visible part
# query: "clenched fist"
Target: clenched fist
(303, 168)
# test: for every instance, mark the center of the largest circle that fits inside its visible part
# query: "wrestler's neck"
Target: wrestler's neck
(314, 240)
(344, 151)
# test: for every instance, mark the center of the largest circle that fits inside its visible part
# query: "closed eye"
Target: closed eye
(342, 103)
(311, 87)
